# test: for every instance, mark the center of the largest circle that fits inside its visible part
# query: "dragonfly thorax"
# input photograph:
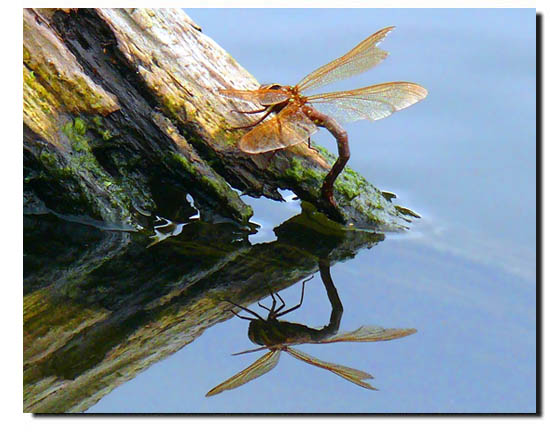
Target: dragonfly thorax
(274, 332)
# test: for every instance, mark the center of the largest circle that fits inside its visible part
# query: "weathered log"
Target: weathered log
(122, 117)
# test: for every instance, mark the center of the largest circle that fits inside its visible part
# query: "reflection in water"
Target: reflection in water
(100, 307)
(165, 229)
(279, 335)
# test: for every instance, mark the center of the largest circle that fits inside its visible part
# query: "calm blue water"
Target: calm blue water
(464, 276)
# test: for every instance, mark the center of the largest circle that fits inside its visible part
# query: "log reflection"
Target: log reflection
(99, 307)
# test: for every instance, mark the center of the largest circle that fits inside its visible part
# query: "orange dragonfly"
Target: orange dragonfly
(295, 121)
(279, 335)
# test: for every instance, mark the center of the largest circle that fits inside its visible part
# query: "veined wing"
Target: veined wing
(372, 102)
(362, 334)
(364, 56)
(289, 127)
(260, 97)
(255, 370)
(352, 375)
(369, 333)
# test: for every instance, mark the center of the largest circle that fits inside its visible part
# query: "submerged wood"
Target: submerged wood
(121, 108)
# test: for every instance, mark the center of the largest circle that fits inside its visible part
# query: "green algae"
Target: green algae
(83, 160)
(79, 126)
(349, 183)
(351, 189)
(299, 173)
(329, 157)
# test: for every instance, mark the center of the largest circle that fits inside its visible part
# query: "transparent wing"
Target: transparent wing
(372, 102)
(352, 375)
(261, 97)
(364, 56)
(255, 370)
(362, 334)
(369, 333)
(289, 127)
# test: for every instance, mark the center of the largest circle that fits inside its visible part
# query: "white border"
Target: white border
(11, 408)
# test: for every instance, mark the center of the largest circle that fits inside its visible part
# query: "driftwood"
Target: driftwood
(122, 120)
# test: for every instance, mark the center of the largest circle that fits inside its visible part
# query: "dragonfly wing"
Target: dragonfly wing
(372, 102)
(361, 58)
(261, 97)
(289, 127)
(255, 370)
(352, 375)
(369, 333)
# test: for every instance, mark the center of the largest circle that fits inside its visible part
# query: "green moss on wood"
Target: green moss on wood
(329, 157)
(352, 191)
(350, 183)
(297, 172)
(213, 183)
(82, 160)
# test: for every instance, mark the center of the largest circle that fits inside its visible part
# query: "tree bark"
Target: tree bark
(122, 120)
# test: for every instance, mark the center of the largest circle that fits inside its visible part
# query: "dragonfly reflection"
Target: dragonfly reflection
(296, 121)
(278, 335)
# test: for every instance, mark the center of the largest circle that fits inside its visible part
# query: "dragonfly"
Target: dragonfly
(278, 336)
(295, 120)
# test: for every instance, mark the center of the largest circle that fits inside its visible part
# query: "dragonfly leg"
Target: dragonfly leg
(274, 313)
(301, 299)
(267, 112)
(274, 303)
(282, 302)
(270, 310)
(309, 146)
(244, 309)
(304, 283)
(290, 309)
(241, 317)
